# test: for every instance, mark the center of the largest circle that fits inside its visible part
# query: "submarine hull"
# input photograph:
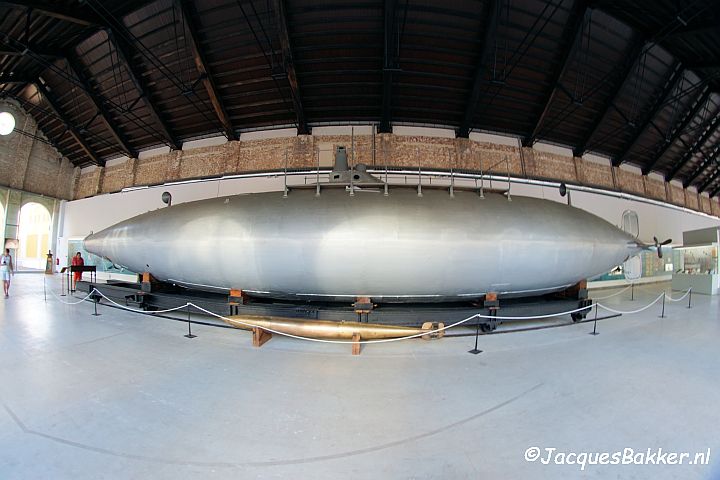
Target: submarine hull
(396, 248)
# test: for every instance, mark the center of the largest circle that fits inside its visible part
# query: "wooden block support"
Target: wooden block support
(260, 336)
(491, 300)
(363, 305)
(238, 296)
(356, 344)
(433, 326)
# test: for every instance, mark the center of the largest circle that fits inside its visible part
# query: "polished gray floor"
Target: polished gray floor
(126, 396)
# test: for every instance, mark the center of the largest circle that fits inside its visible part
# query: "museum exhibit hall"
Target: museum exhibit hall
(386, 239)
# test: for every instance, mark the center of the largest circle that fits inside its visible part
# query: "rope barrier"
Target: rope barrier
(386, 340)
(72, 303)
(614, 294)
(631, 311)
(125, 307)
(670, 299)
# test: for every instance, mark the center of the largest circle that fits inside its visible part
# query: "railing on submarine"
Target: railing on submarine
(366, 164)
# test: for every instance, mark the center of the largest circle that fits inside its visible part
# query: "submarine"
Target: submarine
(354, 237)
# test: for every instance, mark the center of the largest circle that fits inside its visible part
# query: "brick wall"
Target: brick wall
(393, 150)
(31, 164)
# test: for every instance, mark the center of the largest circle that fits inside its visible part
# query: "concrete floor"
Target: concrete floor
(126, 396)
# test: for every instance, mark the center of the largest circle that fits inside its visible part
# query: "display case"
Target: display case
(696, 262)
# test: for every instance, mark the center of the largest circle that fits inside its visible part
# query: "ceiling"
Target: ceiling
(636, 81)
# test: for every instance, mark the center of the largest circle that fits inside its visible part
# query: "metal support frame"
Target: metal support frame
(190, 14)
(697, 144)
(97, 101)
(42, 89)
(289, 66)
(124, 54)
(390, 63)
(568, 44)
(625, 72)
(678, 130)
(671, 83)
(490, 28)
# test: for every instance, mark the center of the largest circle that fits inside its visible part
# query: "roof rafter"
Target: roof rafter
(490, 27)
(52, 9)
(709, 181)
(289, 65)
(97, 101)
(55, 108)
(124, 54)
(707, 161)
(678, 130)
(568, 44)
(190, 15)
(390, 63)
(674, 79)
(697, 144)
(624, 73)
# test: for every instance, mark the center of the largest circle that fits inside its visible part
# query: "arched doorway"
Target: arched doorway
(34, 228)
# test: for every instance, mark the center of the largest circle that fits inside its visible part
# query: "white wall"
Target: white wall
(81, 217)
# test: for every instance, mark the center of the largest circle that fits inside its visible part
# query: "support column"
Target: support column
(577, 169)
(174, 163)
(12, 214)
(613, 170)
(100, 177)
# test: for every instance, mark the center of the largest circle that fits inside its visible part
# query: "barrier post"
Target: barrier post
(475, 350)
(662, 314)
(595, 332)
(689, 297)
(96, 297)
(189, 334)
(632, 291)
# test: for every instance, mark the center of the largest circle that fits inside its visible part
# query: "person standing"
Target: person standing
(77, 261)
(6, 269)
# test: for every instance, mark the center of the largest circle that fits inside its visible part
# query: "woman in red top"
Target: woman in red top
(77, 261)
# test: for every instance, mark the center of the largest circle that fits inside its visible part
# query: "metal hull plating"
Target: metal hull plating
(400, 247)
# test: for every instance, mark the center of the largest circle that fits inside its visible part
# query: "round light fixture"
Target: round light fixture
(7, 123)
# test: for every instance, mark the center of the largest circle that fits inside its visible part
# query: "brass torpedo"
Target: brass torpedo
(328, 330)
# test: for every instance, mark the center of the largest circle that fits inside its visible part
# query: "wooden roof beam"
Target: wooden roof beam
(55, 108)
(390, 63)
(679, 129)
(569, 43)
(289, 65)
(100, 107)
(190, 15)
(490, 9)
(703, 186)
(658, 104)
(124, 53)
(625, 71)
(708, 160)
(707, 133)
